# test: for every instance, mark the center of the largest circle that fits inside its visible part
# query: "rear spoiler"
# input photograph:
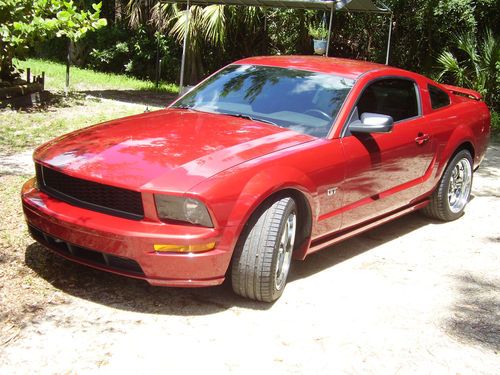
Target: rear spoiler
(461, 91)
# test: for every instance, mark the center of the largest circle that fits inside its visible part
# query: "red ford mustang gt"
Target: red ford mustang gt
(269, 159)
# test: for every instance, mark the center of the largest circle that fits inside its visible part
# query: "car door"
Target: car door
(384, 170)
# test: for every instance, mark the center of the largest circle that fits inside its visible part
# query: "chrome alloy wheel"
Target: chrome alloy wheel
(460, 185)
(285, 250)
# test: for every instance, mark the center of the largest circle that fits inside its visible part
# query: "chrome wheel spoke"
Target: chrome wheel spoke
(285, 250)
(460, 185)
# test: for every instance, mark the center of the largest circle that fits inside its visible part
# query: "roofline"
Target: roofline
(373, 67)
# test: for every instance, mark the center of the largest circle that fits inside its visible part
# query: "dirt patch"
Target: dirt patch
(411, 296)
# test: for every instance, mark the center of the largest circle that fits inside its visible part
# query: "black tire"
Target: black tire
(257, 257)
(440, 207)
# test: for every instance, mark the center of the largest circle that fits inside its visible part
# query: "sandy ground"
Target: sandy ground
(411, 297)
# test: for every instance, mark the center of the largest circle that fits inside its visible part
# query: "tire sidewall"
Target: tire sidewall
(289, 209)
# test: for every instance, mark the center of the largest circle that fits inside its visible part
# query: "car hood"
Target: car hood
(168, 150)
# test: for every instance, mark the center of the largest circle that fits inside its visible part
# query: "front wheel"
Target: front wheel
(453, 191)
(263, 255)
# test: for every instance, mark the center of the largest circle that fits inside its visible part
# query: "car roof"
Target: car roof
(343, 67)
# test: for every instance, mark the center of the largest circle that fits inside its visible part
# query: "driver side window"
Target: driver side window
(393, 97)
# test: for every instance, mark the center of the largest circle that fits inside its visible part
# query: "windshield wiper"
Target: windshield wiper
(183, 106)
(248, 117)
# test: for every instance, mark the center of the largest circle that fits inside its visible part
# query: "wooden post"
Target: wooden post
(43, 81)
(68, 63)
(28, 75)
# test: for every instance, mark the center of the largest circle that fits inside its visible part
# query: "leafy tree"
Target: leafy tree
(74, 24)
(26, 22)
(475, 65)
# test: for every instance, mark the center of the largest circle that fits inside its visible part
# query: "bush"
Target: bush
(495, 123)
(118, 49)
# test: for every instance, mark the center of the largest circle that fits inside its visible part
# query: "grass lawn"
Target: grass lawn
(25, 129)
(21, 130)
(88, 80)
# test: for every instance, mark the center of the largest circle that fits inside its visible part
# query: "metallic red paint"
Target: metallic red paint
(233, 165)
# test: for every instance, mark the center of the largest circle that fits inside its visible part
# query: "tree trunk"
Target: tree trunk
(118, 11)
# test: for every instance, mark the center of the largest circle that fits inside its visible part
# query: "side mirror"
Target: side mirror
(372, 123)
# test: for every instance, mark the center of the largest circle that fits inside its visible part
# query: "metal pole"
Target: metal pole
(389, 42)
(183, 61)
(329, 30)
(157, 58)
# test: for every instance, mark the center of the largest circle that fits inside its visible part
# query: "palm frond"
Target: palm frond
(161, 13)
(179, 26)
(490, 52)
(450, 64)
(137, 11)
(214, 24)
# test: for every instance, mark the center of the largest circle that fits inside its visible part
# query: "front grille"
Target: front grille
(91, 195)
(112, 262)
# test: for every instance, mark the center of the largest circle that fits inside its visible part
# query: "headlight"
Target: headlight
(182, 209)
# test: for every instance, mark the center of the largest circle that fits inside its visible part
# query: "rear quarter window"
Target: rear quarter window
(439, 98)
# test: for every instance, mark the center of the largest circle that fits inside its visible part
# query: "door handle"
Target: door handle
(422, 138)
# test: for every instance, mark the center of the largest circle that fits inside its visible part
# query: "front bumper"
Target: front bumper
(124, 246)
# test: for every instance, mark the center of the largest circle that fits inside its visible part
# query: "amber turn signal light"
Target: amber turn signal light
(165, 248)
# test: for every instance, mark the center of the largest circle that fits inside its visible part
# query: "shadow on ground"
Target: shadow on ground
(354, 246)
(50, 100)
(476, 312)
(136, 295)
(148, 98)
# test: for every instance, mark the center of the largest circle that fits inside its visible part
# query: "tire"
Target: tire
(449, 199)
(263, 255)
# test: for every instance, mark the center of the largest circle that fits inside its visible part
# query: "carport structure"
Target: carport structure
(363, 6)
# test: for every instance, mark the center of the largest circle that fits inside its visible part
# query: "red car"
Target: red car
(269, 159)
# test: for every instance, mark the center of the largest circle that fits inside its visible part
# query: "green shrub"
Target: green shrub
(475, 64)
(118, 49)
(495, 123)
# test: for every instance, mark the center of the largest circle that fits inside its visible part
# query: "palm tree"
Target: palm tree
(223, 31)
(479, 68)
(217, 28)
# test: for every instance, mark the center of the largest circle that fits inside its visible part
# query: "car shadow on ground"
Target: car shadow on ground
(475, 314)
(137, 295)
(358, 244)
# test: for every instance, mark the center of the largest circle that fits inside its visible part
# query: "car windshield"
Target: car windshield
(303, 101)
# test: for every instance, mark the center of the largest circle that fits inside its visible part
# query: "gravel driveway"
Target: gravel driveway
(411, 297)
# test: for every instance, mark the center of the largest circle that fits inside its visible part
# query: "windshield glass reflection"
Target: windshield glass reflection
(303, 101)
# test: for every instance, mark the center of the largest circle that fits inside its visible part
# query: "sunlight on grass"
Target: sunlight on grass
(26, 130)
(89, 80)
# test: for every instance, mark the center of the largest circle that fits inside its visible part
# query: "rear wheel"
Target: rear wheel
(453, 191)
(263, 254)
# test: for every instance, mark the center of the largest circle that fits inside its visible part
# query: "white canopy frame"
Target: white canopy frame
(362, 6)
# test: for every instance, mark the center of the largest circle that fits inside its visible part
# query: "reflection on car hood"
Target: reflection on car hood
(168, 150)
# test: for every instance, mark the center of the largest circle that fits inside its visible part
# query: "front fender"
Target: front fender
(264, 184)
(234, 195)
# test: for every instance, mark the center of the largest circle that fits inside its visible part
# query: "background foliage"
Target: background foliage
(423, 30)
(26, 22)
